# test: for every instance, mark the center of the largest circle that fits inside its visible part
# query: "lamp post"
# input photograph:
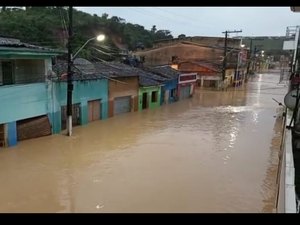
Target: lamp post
(100, 37)
(71, 57)
(70, 64)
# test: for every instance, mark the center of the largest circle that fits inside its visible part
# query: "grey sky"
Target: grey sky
(206, 21)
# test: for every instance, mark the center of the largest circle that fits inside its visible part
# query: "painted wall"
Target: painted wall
(149, 91)
(117, 89)
(1, 77)
(22, 101)
(83, 92)
(166, 91)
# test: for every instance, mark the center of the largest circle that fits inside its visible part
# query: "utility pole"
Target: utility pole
(70, 75)
(251, 52)
(225, 51)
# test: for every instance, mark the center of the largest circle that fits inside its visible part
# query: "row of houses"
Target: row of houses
(33, 90)
(201, 55)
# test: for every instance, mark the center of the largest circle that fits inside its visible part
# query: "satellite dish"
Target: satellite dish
(290, 99)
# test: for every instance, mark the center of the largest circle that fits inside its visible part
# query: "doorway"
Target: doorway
(7, 72)
(145, 100)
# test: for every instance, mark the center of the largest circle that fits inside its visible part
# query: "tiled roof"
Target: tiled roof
(145, 81)
(116, 69)
(216, 67)
(85, 70)
(164, 71)
(82, 70)
(17, 44)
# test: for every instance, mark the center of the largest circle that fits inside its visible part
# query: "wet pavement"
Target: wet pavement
(215, 152)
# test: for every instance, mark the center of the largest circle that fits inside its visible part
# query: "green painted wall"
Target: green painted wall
(149, 91)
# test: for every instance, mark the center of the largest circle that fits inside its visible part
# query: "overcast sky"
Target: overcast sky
(207, 21)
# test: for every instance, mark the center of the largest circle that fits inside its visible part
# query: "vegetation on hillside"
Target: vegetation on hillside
(48, 26)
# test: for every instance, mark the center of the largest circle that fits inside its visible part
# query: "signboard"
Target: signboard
(289, 45)
(187, 78)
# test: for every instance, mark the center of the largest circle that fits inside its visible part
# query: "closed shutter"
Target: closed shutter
(33, 128)
(122, 105)
(94, 110)
(184, 92)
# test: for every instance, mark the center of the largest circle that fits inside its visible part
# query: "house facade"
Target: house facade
(208, 74)
(186, 85)
(149, 90)
(169, 90)
(89, 98)
(123, 87)
(24, 91)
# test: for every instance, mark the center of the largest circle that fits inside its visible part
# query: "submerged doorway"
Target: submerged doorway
(145, 100)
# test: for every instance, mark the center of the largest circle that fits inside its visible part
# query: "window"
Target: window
(154, 96)
(7, 73)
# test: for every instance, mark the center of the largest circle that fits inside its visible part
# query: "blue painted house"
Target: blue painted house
(169, 90)
(24, 91)
(89, 98)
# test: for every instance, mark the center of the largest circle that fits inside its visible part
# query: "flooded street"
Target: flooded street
(215, 152)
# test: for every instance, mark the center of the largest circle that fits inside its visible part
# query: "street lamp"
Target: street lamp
(100, 37)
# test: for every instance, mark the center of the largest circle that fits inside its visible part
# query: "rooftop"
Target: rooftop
(15, 45)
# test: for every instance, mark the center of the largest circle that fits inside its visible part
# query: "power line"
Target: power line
(189, 19)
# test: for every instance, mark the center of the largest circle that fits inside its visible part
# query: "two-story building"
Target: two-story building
(25, 103)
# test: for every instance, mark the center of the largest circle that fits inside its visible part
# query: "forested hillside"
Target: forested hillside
(47, 26)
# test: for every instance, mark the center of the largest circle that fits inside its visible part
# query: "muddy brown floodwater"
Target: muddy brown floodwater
(215, 152)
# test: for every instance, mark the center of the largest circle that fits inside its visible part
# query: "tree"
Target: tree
(47, 26)
(163, 34)
(153, 29)
(181, 36)
(104, 16)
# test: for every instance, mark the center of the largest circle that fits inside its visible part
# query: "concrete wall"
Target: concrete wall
(163, 55)
(286, 198)
(22, 101)
(210, 41)
(149, 91)
(83, 92)
(117, 89)
(188, 48)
